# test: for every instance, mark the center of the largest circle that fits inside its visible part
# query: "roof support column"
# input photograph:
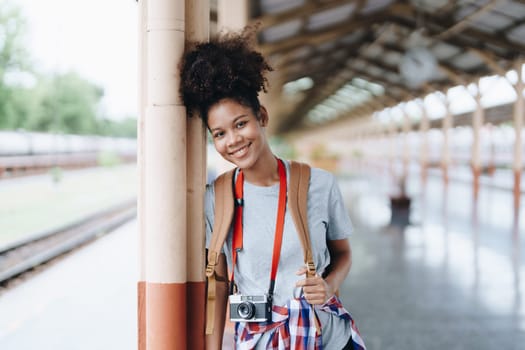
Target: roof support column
(171, 285)
(519, 112)
(197, 29)
(477, 123)
(232, 15)
(406, 152)
(446, 126)
(141, 285)
(424, 126)
(393, 145)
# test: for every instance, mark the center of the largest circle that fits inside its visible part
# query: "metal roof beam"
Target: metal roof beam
(308, 9)
(490, 60)
(463, 23)
(454, 75)
(322, 36)
(405, 14)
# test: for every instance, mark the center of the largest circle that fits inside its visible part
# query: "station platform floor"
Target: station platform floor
(451, 275)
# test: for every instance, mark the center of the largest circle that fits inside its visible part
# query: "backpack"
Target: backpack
(224, 210)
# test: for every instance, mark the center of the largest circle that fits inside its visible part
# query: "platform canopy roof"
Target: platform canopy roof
(348, 58)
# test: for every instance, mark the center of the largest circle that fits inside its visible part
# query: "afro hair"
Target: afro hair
(225, 67)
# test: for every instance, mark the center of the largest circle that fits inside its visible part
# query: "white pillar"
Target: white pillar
(424, 126)
(447, 125)
(232, 15)
(141, 289)
(394, 145)
(197, 29)
(477, 123)
(519, 112)
(163, 284)
(406, 150)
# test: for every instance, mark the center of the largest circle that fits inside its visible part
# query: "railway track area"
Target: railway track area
(27, 165)
(20, 257)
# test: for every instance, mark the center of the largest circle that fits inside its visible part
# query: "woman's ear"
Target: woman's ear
(263, 116)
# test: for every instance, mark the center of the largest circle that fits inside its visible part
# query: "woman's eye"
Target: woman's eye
(241, 124)
(218, 134)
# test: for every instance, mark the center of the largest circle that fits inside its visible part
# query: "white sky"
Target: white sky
(96, 38)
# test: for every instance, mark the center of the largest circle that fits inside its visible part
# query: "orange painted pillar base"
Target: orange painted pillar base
(196, 296)
(141, 314)
(171, 315)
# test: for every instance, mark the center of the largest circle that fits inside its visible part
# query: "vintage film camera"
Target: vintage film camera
(250, 308)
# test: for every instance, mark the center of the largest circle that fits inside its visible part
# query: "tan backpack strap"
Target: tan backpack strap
(298, 204)
(223, 214)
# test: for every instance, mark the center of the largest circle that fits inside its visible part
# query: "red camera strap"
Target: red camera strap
(279, 226)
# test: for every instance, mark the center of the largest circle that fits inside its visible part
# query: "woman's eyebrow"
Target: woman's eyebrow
(233, 121)
(239, 117)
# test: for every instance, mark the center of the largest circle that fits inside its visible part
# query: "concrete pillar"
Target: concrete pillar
(232, 15)
(197, 29)
(477, 123)
(406, 151)
(445, 153)
(171, 271)
(141, 290)
(393, 143)
(519, 112)
(424, 126)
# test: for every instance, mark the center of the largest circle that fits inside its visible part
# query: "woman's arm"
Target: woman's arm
(340, 263)
(214, 341)
(317, 290)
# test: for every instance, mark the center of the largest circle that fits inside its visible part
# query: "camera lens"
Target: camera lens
(246, 310)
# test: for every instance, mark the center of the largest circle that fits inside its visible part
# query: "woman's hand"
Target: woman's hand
(315, 289)
(318, 290)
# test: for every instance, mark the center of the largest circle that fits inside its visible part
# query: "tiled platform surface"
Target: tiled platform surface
(452, 277)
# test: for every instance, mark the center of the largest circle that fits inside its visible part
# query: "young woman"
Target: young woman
(221, 81)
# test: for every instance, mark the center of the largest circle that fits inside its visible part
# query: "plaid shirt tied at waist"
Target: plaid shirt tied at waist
(294, 326)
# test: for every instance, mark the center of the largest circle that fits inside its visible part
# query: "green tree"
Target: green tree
(126, 127)
(66, 103)
(19, 107)
(13, 60)
(63, 102)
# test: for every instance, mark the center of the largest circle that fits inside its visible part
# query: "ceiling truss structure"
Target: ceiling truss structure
(359, 45)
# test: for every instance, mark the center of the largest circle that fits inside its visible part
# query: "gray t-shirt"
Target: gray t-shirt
(327, 220)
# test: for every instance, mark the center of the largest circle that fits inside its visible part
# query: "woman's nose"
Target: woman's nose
(233, 138)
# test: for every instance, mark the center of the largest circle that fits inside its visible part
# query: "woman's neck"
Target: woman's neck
(264, 172)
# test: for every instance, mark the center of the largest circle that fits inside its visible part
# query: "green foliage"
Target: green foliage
(120, 128)
(13, 56)
(65, 103)
(19, 107)
(108, 159)
(56, 174)
(13, 59)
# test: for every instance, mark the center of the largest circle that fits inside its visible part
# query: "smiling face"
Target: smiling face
(237, 133)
